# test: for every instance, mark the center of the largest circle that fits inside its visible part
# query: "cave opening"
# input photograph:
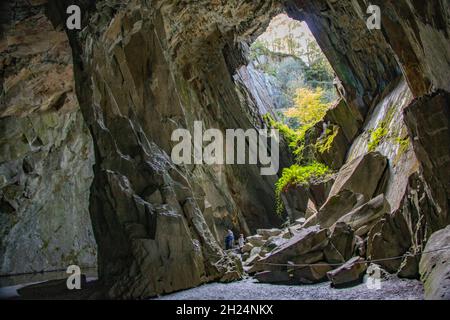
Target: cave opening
(142, 71)
(294, 87)
(287, 66)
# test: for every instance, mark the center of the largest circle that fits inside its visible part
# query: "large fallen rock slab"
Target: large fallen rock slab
(361, 175)
(348, 274)
(337, 206)
(305, 241)
(312, 274)
(308, 258)
(434, 266)
(364, 217)
(389, 238)
(274, 242)
(341, 244)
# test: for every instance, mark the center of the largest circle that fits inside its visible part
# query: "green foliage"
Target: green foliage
(258, 48)
(404, 144)
(298, 175)
(310, 106)
(294, 138)
(288, 134)
(380, 133)
(376, 137)
(324, 144)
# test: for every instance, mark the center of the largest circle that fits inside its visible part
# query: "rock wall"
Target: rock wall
(144, 69)
(46, 153)
(385, 131)
(418, 32)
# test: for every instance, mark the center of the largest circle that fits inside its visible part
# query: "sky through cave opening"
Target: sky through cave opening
(298, 80)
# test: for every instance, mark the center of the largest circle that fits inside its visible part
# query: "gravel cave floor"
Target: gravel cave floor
(392, 288)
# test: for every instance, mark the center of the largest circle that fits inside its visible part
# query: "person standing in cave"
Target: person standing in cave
(241, 242)
(229, 240)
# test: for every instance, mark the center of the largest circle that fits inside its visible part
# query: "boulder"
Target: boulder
(245, 256)
(320, 190)
(274, 242)
(230, 276)
(341, 244)
(410, 267)
(295, 200)
(349, 273)
(434, 266)
(267, 233)
(247, 247)
(256, 240)
(361, 175)
(360, 246)
(364, 217)
(389, 238)
(308, 258)
(313, 273)
(274, 276)
(305, 241)
(311, 221)
(252, 260)
(337, 206)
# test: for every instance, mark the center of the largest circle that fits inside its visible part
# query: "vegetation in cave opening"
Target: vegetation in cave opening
(324, 143)
(380, 133)
(290, 56)
(298, 175)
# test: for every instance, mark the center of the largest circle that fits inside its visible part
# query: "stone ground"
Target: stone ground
(392, 288)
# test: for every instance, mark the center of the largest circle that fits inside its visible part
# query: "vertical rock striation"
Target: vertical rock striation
(46, 153)
(144, 69)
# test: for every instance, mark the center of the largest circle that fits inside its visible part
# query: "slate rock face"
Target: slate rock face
(337, 206)
(362, 175)
(434, 266)
(389, 238)
(146, 68)
(428, 120)
(46, 151)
